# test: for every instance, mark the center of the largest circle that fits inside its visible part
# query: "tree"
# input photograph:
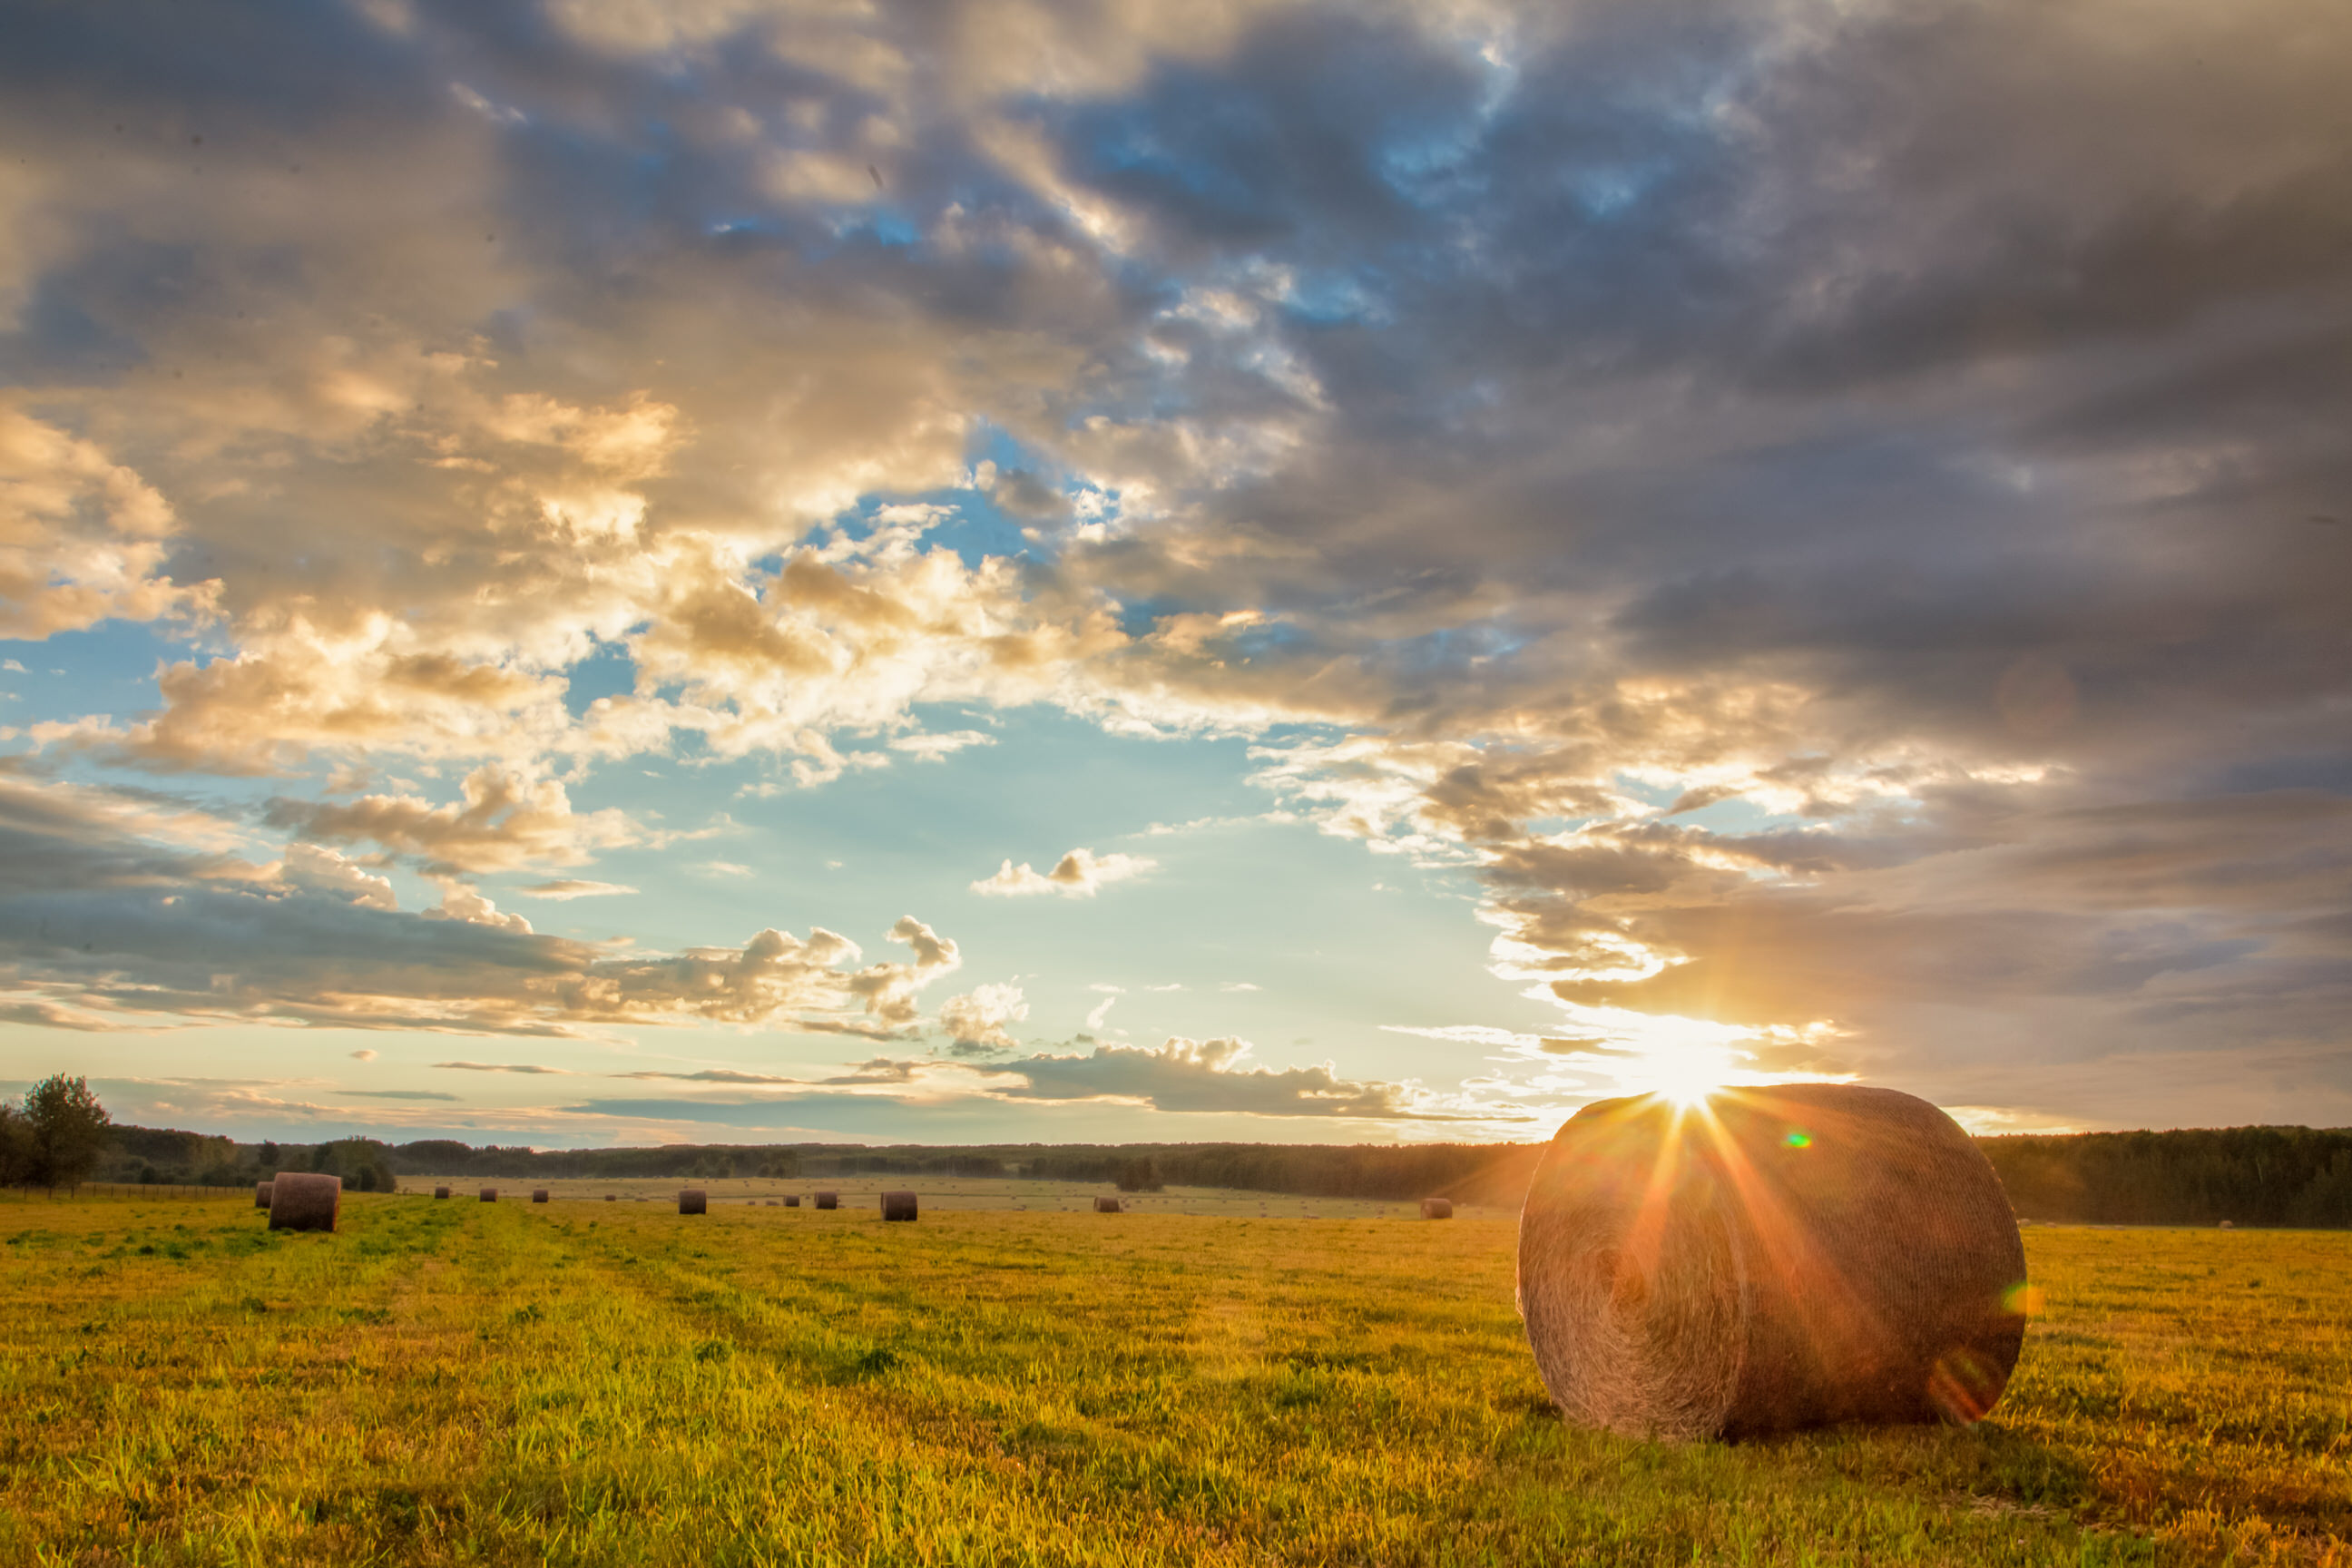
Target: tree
(15, 1147)
(69, 1131)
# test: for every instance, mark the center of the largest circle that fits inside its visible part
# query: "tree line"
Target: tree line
(59, 1135)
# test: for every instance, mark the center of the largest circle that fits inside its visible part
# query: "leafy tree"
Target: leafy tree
(71, 1130)
(1138, 1175)
(15, 1147)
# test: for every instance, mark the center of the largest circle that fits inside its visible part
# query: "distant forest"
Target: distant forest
(2248, 1176)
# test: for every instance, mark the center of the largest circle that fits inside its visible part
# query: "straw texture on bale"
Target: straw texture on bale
(489, 1195)
(693, 1200)
(1437, 1208)
(440, 1192)
(261, 1195)
(1780, 1258)
(1107, 1204)
(898, 1205)
(539, 1194)
(298, 1201)
(828, 1200)
(792, 1203)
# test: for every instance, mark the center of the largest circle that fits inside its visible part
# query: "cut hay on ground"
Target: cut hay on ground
(539, 1194)
(440, 1192)
(261, 1195)
(1437, 1208)
(302, 1202)
(898, 1205)
(489, 1195)
(1781, 1259)
(828, 1200)
(693, 1200)
(1107, 1205)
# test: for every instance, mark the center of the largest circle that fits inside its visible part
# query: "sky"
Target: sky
(603, 571)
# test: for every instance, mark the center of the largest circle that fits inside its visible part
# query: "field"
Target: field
(607, 1382)
(939, 1195)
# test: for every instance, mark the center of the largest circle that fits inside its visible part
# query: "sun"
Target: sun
(1685, 1075)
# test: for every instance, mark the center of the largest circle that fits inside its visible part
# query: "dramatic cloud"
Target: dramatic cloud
(1832, 518)
(97, 912)
(1078, 874)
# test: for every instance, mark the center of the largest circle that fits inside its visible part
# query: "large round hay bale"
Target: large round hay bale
(2229, 1225)
(1780, 1258)
(828, 1200)
(440, 1192)
(299, 1201)
(1107, 1204)
(261, 1196)
(1437, 1208)
(693, 1200)
(489, 1195)
(898, 1205)
(539, 1194)
(792, 1202)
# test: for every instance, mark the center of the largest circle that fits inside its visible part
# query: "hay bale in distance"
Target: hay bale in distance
(1437, 1208)
(489, 1195)
(440, 1192)
(693, 1200)
(1107, 1204)
(828, 1200)
(1779, 1258)
(611, 1197)
(539, 1194)
(2229, 1225)
(299, 1201)
(792, 1202)
(261, 1195)
(898, 1205)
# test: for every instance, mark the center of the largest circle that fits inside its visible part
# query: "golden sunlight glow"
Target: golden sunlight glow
(1683, 1074)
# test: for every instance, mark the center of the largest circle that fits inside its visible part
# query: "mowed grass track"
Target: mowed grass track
(583, 1382)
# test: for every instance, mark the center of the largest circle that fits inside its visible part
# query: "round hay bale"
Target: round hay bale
(693, 1200)
(261, 1196)
(1107, 1205)
(793, 1201)
(539, 1194)
(2229, 1225)
(1437, 1208)
(298, 1201)
(611, 1197)
(489, 1195)
(1780, 1258)
(828, 1200)
(440, 1192)
(898, 1205)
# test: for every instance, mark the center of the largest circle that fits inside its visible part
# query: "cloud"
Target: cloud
(499, 1066)
(1208, 1077)
(713, 1074)
(101, 911)
(1938, 502)
(1079, 874)
(938, 747)
(393, 1094)
(362, 1054)
(569, 888)
(505, 819)
(975, 1021)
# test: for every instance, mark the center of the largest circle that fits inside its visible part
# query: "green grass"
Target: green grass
(592, 1382)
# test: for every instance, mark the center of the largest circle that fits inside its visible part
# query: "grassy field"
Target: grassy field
(939, 1195)
(586, 1382)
